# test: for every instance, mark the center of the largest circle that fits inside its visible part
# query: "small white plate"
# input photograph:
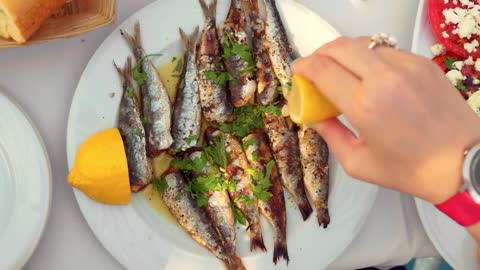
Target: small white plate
(136, 235)
(451, 240)
(25, 185)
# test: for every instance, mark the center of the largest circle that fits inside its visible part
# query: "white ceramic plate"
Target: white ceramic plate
(451, 240)
(25, 185)
(136, 235)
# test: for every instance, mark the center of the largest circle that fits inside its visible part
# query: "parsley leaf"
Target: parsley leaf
(138, 75)
(160, 184)
(247, 119)
(216, 152)
(139, 132)
(221, 79)
(249, 142)
(178, 196)
(448, 61)
(460, 86)
(129, 92)
(144, 120)
(173, 59)
(179, 66)
(243, 199)
(261, 183)
(201, 200)
(239, 217)
(190, 139)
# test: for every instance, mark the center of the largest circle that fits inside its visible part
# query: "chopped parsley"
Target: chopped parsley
(247, 119)
(179, 66)
(178, 196)
(190, 139)
(144, 120)
(173, 59)
(460, 86)
(448, 61)
(160, 184)
(289, 86)
(139, 132)
(138, 75)
(261, 183)
(129, 92)
(221, 79)
(243, 199)
(249, 142)
(221, 219)
(216, 152)
(279, 89)
(233, 49)
(238, 216)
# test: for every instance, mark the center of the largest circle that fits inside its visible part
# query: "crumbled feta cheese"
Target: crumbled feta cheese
(469, 61)
(458, 65)
(442, 25)
(477, 65)
(446, 1)
(475, 81)
(474, 102)
(472, 46)
(451, 16)
(438, 49)
(445, 34)
(465, 20)
(466, 26)
(454, 76)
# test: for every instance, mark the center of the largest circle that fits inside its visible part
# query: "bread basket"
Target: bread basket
(75, 18)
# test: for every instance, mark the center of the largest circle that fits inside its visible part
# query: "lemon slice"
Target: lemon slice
(306, 104)
(101, 169)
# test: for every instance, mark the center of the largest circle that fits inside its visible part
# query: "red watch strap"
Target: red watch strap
(462, 209)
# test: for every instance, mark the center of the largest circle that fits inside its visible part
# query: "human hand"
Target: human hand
(413, 125)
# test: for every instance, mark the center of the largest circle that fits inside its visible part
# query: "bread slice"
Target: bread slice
(20, 19)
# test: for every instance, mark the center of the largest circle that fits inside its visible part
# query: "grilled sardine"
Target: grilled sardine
(284, 144)
(239, 62)
(266, 81)
(187, 112)
(213, 97)
(155, 101)
(261, 160)
(314, 157)
(243, 196)
(219, 209)
(133, 134)
(194, 219)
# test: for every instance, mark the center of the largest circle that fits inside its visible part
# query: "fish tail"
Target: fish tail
(323, 218)
(234, 263)
(280, 251)
(304, 207)
(256, 241)
(189, 42)
(134, 42)
(209, 11)
(120, 72)
(128, 70)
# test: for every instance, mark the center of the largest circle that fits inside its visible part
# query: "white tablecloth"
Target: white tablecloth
(43, 79)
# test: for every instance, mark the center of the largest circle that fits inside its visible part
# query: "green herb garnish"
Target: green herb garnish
(238, 216)
(178, 196)
(144, 120)
(216, 152)
(179, 66)
(247, 119)
(160, 184)
(173, 59)
(460, 86)
(138, 75)
(129, 92)
(190, 139)
(249, 142)
(139, 132)
(448, 61)
(222, 79)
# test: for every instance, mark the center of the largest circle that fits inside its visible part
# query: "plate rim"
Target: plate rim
(45, 216)
(422, 206)
(80, 196)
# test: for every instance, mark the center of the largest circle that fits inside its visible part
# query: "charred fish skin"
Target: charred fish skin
(213, 97)
(133, 134)
(266, 81)
(219, 209)
(279, 48)
(155, 100)
(284, 144)
(259, 155)
(233, 30)
(314, 157)
(237, 168)
(187, 112)
(194, 220)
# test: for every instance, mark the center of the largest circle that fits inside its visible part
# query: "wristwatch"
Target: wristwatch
(464, 207)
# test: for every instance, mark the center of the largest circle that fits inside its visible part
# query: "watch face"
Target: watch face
(475, 171)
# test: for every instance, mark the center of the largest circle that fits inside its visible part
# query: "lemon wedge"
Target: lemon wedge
(306, 104)
(101, 169)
